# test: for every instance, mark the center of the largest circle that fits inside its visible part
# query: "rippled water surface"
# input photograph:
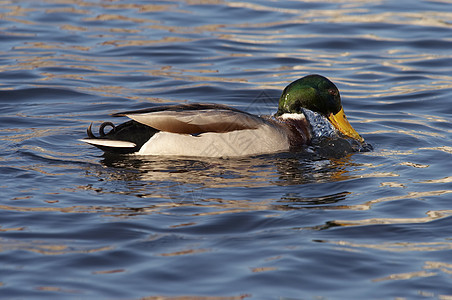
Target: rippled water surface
(78, 225)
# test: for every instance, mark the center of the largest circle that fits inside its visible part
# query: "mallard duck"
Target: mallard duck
(214, 130)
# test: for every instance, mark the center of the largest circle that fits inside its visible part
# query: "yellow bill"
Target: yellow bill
(340, 121)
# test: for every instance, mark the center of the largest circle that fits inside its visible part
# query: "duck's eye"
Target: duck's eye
(332, 92)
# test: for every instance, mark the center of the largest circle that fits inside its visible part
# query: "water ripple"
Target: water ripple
(309, 224)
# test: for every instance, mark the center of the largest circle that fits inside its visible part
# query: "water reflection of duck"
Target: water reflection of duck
(308, 107)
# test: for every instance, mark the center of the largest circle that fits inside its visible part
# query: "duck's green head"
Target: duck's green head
(319, 94)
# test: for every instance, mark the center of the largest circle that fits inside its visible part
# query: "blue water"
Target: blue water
(77, 225)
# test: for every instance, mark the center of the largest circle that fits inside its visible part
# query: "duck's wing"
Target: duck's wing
(195, 118)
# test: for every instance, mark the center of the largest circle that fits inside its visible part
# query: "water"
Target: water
(77, 225)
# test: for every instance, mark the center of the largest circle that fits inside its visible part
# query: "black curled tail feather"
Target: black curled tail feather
(105, 124)
(90, 133)
(130, 131)
(102, 126)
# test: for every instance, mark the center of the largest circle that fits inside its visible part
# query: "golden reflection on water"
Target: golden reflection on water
(240, 297)
(261, 34)
(411, 195)
(446, 149)
(447, 179)
(56, 289)
(396, 246)
(430, 268)
(405, 276)
(414, 165)
(46, 248)
(431, 215)
(392, 184)
(185, 252)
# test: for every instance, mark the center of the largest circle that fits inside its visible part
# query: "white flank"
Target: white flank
(265, 139)
(109, 143)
